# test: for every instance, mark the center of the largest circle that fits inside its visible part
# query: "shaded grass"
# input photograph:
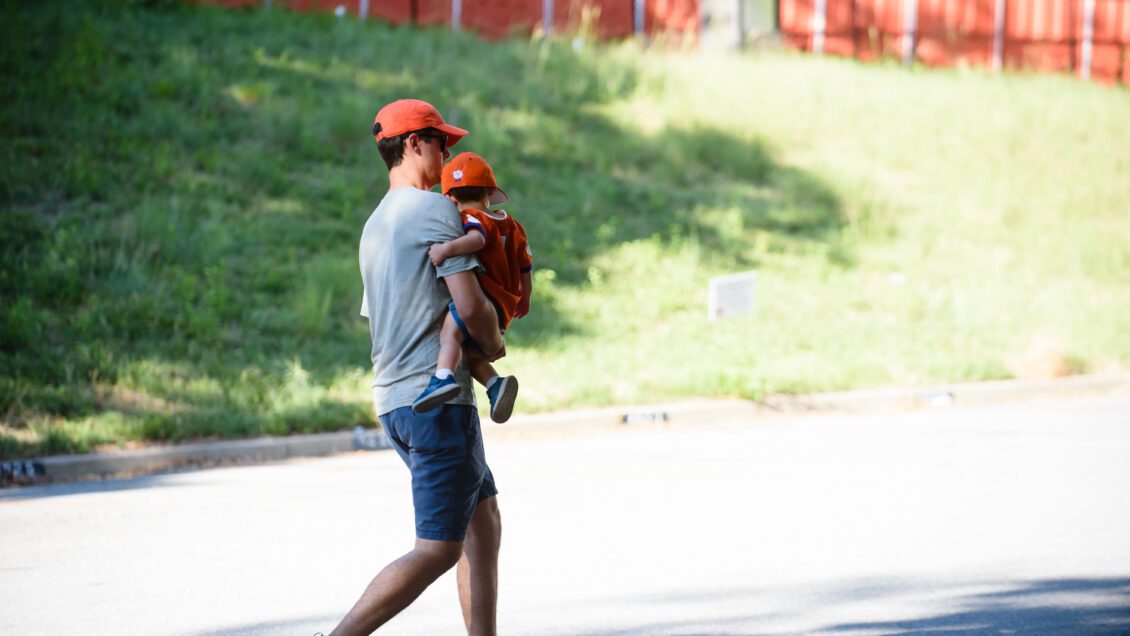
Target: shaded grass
(183, 189)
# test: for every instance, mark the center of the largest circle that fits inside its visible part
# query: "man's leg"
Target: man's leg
(400, 583)
(477, 573)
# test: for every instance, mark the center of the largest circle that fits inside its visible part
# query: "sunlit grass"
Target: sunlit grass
(183, 189)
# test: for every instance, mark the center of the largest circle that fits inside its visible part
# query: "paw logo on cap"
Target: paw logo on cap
(457, 175)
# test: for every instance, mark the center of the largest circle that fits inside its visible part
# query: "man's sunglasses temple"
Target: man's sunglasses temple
(442, 139)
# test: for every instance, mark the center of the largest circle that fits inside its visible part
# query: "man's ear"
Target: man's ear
(412, 143)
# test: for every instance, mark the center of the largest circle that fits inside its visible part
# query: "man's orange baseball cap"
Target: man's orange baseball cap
(469, 170)
(409, 115)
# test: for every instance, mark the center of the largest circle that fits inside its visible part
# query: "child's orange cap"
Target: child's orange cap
(408, 115)
(469, 169)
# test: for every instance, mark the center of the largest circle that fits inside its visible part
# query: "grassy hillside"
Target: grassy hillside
(183, 189)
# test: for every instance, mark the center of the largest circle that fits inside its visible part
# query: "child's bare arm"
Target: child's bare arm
(527, 291)
(469, 243)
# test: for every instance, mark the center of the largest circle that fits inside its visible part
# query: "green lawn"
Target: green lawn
(183, 190)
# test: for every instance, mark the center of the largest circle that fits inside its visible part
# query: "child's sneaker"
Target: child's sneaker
(502, 395)
(437, 394)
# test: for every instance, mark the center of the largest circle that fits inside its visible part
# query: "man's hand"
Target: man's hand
(523, 308)
(437, 253)
(501, 353)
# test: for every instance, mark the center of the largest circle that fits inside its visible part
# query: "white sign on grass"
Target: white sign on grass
(731, 295)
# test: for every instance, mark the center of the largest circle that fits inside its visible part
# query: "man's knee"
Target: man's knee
(443, 554)
(489, 508)
(486, 522)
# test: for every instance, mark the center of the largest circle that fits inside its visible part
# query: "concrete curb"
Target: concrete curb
(863, 401)
(157, 458)
(162, 457)
(965, 394)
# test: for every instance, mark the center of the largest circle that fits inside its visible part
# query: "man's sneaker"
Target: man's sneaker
(437, 394)
(502, 395)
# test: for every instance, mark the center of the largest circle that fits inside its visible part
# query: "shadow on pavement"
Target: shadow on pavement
(86, 487)
(1067, 606)
(305, 625)
(1053, 606)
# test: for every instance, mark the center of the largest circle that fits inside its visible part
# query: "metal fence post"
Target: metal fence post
(638, 12)
(1088, 38)
(998, 36)
(547, 15)
(456, 15)
(910, 26)
(363, 9)
(741, 24)
(819, 23)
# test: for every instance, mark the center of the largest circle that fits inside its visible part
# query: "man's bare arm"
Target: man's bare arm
(477, 312)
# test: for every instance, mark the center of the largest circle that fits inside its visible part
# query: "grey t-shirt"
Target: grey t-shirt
(405, 299)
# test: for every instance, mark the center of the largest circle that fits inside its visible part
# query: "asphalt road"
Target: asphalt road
(1008, 519)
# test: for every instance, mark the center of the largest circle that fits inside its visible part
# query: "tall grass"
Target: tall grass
(183, 189)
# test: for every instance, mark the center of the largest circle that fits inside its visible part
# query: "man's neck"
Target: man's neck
(403, 176)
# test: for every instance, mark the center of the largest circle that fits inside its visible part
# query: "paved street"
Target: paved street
(1003, 519)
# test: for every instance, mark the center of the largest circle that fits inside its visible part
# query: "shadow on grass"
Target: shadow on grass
(202, 206)
(584, 184)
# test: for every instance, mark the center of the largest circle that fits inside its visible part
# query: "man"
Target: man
(405, 300)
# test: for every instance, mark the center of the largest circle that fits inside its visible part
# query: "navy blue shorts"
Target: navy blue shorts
(443, 449)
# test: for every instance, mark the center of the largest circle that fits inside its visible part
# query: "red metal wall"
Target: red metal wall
(1038, 34)
(1111, 54)
(499, 18)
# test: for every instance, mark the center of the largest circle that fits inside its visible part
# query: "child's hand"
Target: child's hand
(523, 308)
(437, 254)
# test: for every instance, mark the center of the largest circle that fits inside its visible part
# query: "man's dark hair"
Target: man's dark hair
(392, 148)
(470, 193)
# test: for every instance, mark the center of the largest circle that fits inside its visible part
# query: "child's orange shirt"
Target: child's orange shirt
(505, 257)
